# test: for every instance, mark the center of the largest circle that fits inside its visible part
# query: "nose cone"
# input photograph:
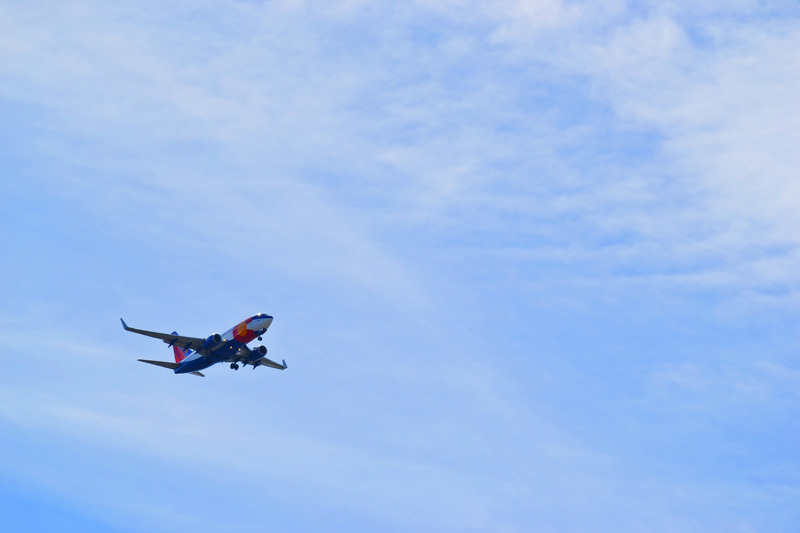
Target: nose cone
(262, 322)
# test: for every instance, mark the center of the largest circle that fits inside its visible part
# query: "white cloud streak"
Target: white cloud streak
(725, 129)
(439, 155)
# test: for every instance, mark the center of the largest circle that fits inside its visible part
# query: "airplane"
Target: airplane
(194, 354)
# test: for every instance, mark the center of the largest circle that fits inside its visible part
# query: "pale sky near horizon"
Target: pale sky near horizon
(533, 265)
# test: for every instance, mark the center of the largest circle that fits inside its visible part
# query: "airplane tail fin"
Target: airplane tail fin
(179, 354)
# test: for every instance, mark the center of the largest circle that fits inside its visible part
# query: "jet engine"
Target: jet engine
(257, 353)
(211, 342)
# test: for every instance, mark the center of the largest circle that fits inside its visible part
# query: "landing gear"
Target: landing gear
(234, 366)
(260, 338)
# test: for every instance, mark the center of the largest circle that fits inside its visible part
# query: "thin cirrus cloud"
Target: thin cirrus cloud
(445, 169)
(498, 239)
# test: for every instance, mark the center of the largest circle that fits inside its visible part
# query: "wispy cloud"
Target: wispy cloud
(490, 231)
(439, 131)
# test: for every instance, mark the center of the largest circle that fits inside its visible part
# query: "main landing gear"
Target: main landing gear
(234, 366)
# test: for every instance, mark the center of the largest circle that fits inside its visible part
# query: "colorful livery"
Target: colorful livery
(193, 354)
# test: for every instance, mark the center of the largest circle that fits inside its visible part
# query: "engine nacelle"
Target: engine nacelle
(257, 353)
(211, 342)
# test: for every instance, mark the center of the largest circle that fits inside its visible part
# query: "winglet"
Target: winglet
(284, 364)
(124, 325)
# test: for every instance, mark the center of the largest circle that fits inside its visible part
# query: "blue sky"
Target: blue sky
(533, 265)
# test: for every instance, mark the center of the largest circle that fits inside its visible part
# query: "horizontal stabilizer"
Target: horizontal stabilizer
(165, 364)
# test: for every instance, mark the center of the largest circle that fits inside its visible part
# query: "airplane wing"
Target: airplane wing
(187, 343)
(243, 356)
(272, 364)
